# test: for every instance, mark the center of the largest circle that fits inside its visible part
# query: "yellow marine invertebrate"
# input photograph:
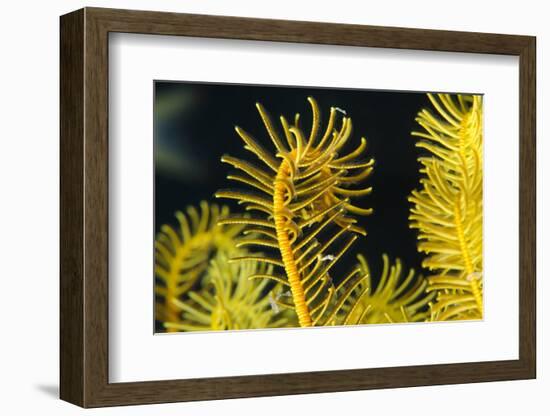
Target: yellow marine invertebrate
(396, 298)
(230, 300)
(182, 254)
(447, 210)
(302, 193)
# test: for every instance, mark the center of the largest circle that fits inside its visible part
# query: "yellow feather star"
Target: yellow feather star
(302, 194)
(395, 299)
(230, 300)
(182, 254)
(447, 210)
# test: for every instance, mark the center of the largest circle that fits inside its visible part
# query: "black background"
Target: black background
(194, 126)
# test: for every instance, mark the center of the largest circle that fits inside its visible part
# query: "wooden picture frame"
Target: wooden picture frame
(84, 207)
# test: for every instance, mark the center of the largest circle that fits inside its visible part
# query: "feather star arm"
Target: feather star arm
(230, 299)
(303, 195)
(447, 210)
(396, 297)
(182, 253)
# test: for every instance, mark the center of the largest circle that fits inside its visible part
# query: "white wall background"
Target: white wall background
(29, 85)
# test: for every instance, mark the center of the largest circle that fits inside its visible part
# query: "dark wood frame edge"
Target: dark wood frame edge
(84, 207)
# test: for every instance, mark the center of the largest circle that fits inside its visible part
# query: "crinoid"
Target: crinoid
(182, 254)
(229, 300)
(396, 297)
(447, 210)
(302, 193)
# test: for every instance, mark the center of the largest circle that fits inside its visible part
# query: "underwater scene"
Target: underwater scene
(281, 206)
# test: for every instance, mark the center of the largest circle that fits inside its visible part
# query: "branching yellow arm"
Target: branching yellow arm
(396, 298)
(228, 300)
(281, 217)
(182, 254)
(447, 210)
(302, 195)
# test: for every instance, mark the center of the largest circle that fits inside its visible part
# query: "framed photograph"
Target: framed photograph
(257, 207)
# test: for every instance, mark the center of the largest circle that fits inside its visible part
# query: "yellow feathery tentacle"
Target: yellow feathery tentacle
(395, 299)
(182, 254)
(281, 217)
(447, 211)
(305, 191)
(229, 300)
